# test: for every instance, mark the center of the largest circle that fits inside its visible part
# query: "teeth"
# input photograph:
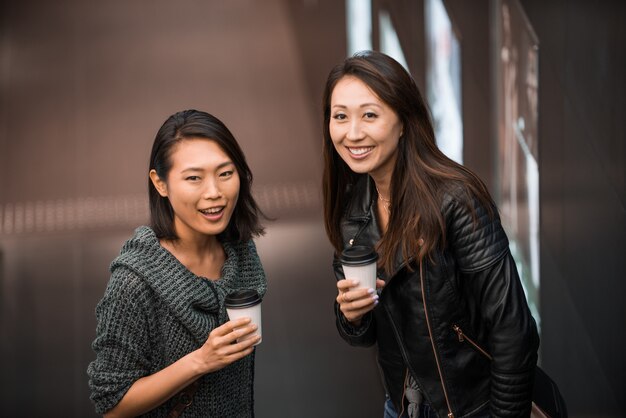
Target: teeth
(212, 210)
(360, 151)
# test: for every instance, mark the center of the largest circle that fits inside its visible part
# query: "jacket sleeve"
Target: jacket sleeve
(365, 334)
(492, 285)
(121, 342)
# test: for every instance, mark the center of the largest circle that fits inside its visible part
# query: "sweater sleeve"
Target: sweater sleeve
(492, 283)
(121, 344)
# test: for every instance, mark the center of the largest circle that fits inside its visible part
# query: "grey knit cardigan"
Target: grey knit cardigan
(155, 311)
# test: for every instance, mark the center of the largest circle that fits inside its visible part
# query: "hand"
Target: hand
(222, 348)
(354, 303)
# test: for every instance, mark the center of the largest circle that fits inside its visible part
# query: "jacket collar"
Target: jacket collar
(361, 206)
(361, 222)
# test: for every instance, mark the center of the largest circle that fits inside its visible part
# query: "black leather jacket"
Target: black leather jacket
(462, 328)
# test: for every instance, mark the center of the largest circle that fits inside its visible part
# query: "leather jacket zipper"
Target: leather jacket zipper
(463, 337)
(403, 352)
(432, 341)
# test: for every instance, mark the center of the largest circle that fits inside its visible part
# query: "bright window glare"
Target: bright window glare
(359, 25)
(389, 42)
(444, 80)
(517, 145)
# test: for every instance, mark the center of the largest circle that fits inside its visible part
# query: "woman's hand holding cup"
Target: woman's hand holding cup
(222, 347)
(357, 295)
(354, 301)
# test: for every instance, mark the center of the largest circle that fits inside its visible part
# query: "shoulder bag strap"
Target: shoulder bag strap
(184, 399)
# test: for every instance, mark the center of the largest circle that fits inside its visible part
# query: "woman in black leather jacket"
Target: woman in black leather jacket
(450, 320)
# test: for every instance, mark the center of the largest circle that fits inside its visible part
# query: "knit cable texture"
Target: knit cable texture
(155, 311)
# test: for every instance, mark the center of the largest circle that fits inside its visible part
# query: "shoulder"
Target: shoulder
(126, 305)
(250, 256)
(456, 193)
(251, 248)
(243, 256)
(459, 204)
(242, 250)
(243, 265)
(127, 287)
(473, 229)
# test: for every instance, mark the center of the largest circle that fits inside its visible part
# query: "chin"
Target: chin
(214, 229)
(214, 232)
(359, 168)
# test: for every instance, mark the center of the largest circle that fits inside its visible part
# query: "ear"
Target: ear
(159, 184)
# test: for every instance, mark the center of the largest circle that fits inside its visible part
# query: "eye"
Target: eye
(339, 116)
(370, 115)
(192, 178)
(227, 174)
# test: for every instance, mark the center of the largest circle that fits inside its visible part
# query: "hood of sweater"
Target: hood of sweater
(188, 296)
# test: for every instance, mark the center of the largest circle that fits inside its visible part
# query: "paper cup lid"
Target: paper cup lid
(242, 298)
(358, 255)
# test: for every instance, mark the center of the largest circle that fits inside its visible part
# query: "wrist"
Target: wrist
(356, 323)
(198, 363)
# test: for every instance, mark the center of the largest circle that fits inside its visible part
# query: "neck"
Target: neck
(203, 257)
(194, 245)
(382, 176)
(383, 187)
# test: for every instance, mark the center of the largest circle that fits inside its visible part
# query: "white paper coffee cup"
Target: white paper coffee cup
(245, 303)
(359, 263)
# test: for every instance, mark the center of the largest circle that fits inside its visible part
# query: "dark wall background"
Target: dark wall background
(582, 131)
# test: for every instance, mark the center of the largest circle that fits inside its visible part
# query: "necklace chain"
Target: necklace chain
(386, 202)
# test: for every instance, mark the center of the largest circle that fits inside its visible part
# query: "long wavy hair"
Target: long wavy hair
(421, 175)
(188, 124)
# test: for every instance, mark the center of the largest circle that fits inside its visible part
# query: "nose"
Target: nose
(212, 190)
(355, 133)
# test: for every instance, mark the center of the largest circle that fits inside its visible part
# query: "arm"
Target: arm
(122, 377)
(218, 351)
(512, 335)
(493, 288)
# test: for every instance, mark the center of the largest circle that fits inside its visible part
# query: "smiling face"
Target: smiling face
(202, 187)
(365, 131)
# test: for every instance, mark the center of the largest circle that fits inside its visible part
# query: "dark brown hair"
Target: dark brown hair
(422, 172)
(188, 124)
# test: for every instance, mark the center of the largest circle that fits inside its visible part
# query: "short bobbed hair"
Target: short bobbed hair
(192, 124)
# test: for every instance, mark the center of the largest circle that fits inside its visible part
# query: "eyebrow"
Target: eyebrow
(363, 105)
(222, 165)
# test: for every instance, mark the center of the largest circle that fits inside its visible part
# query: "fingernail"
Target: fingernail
(375, 302)
(375, 297)
(354, 282)
(371, 291)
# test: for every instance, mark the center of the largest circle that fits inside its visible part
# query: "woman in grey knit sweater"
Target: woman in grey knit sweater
(163, 336)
